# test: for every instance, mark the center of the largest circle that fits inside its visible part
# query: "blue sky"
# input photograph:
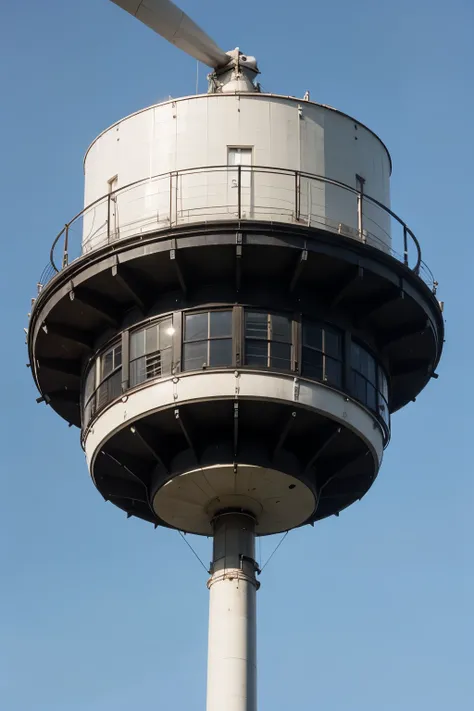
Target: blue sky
(371, 611)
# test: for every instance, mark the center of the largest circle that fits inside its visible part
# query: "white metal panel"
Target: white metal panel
(201, 386)
(174, 148)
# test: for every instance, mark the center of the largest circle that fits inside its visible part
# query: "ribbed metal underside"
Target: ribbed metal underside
(328, 458)
(318, 273)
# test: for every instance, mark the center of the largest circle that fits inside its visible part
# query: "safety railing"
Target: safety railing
(217, 193)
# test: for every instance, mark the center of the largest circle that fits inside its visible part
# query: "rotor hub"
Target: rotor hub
(237, 75)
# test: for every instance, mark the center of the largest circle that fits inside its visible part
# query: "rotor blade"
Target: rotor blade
(173, 24)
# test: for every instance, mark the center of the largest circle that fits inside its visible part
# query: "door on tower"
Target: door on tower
(241, 199)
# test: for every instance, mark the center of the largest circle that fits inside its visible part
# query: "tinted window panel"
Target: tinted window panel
(221, 324)
(356, 353)
(256, 353)
(332, 343)
(166, 334)
(383, 385)
(333, 371)
(281, 328)
(137, 371)
(256, 325)
(371, 370)
(359, 386)
(371, 397)
(220, 352)
(280, 355)
(151, 340)
(195, 328)
(383, 410)
(194, 355)
(107, 364)
(110, 389)
(137, 344)
(313, 335)
(90, 384)
(166, 361)
(89, 411)
(312, 364)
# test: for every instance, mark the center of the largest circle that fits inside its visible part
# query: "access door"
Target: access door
(240, 198)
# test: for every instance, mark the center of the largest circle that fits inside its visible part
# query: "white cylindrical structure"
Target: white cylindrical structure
(226, 156)
(232, 656)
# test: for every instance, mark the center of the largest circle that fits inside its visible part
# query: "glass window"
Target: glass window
(110, 360)
(256, 325)
(220, 325)
(313, 335)
(220, 352)
(332, 343)
(280, 328)
(333, 371)
(256, 353)
(207, 340)
(322, 353)
(363, 362)
(313, 364)
(382, 396)
(151, 351)
(89, 394)
(267, 340)
(196, 327)
(110, 381)
(369, 382)
(195, 355)
(280, 355)
(109, 389)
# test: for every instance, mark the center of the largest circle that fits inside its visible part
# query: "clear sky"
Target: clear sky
(368, 612)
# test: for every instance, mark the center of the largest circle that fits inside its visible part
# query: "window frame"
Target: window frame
(294, 327)
(324, 355)
(209, 339)
(379, 394)
(143, 327)
(269, 313)
(102, 380)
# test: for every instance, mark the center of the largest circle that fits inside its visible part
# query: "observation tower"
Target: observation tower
(235, 325)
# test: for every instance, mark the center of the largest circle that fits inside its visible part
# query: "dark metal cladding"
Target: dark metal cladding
(369, 296)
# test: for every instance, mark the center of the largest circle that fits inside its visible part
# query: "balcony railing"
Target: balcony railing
(219, 193)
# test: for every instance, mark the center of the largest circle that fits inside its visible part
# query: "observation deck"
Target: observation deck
(190, 335)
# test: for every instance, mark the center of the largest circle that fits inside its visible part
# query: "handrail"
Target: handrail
(298, 177)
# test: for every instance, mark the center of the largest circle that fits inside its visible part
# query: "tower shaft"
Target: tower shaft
(232, 656)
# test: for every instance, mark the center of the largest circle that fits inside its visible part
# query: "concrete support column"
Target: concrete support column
(232, 655)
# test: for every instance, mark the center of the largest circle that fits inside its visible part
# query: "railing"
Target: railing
(235, 192)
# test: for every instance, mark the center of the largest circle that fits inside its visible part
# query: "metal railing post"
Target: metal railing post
(310, 201)
(360, 218)
(239, 191)
(297, 195)
(66, 246)
(109, 210)
(176, 195)
(245, 209)
(405, 245)
(171, 199)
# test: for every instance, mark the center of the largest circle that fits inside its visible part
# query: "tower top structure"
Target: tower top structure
(240, 316)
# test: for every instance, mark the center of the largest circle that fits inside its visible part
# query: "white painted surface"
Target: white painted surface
(192, 134)
(232, 651)
(278, 501)
(156, 395)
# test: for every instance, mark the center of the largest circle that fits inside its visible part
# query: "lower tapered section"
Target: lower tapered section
(232, 656)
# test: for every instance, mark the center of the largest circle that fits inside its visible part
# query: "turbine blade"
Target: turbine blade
(169, 21)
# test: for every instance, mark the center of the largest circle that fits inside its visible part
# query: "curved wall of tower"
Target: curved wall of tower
(221, 156)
